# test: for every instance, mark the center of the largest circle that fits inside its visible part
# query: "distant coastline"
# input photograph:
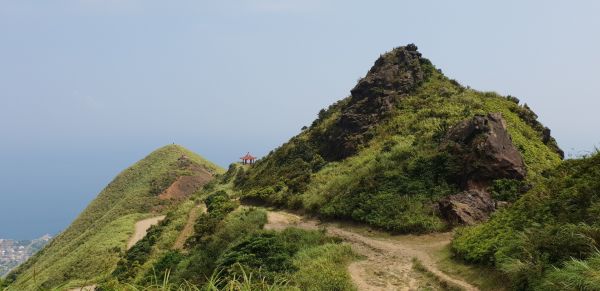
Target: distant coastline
(15, 252)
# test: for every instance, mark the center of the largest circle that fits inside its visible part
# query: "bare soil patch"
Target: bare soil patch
(388, 263)
(185, 186)
(141, 228)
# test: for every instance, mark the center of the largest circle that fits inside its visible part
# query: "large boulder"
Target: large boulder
(485, 149)
(486, 153)
(468, 207)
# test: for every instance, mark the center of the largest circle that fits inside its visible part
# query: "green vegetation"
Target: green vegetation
(393, 181)
(138, 253)
(548, 239)
(90, 248)
(227, 246)
(441, 283)
(378, 157)
(482, 276)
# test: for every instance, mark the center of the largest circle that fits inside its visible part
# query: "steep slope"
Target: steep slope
(549, 239)
(91, 246)
(409, 151)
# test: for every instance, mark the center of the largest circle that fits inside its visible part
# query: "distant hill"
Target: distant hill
(90, 247)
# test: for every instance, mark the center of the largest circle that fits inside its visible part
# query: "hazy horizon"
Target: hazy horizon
(88, 87)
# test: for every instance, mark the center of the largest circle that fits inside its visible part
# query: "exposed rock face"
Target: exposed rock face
(487, 153)
(468, 207)
(393, 75)
(486, 149)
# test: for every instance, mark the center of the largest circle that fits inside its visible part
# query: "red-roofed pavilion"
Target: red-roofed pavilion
(248, 159)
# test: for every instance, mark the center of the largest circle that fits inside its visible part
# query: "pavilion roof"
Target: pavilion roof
(248, 156)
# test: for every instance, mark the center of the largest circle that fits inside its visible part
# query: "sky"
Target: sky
(88, 87)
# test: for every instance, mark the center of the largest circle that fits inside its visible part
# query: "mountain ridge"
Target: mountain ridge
(103, 228)
(409, 151)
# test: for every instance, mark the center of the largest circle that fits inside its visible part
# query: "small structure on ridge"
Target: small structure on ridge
(248, 159)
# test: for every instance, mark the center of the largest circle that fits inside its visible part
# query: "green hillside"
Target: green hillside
(549, 239)
(381, 155)
(91, 246)
(409, 151)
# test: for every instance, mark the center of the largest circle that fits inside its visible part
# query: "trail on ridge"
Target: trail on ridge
(141, 228)
(188, 229)
(388, 263)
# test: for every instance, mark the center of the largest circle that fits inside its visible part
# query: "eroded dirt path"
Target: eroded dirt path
(141, 228)
(188, 229)
(388, 263)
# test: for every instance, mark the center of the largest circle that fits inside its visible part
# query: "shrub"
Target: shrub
(264, 252)
(574, 275)
(553, 223)
(138, 254)
(508, 189)
(219, 203)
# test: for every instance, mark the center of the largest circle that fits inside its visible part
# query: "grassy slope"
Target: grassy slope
(394, 179)
(554, 223)
(90, 247)
(227, 238)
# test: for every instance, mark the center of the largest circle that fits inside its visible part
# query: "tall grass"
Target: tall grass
(246, 281)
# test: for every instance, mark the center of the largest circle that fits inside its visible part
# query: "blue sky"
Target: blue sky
(87, 87)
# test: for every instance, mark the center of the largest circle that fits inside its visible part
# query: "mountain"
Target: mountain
(15, 252)
(92, 244)
(410, 151)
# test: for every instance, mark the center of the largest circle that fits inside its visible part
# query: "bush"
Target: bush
(219, 203)
(212, 237)
(138, 254)
(574, 275)
(554, 223)
(508, 189)
(263, 252)
(165, 264)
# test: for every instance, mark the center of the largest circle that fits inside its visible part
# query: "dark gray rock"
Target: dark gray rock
(486, 153)
(393, 75)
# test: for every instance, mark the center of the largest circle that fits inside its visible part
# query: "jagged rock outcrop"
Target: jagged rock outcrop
(486, 152)
(529, 117)
(468, 207)
(393, 75)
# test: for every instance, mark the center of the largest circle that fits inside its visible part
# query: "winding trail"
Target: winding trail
(188, 229)
(141, 228)
(388, 263)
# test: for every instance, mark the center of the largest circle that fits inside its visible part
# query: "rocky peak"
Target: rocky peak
(393, 75)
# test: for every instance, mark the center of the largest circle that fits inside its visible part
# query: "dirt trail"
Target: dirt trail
(188, 229)
(388, 264)
(141, 228)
